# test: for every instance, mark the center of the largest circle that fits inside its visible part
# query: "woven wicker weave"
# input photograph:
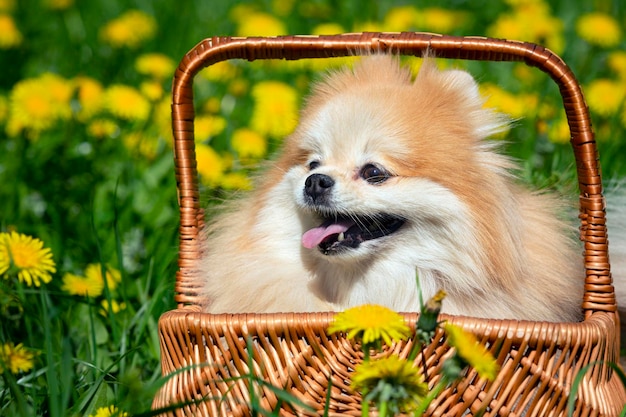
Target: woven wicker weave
(539, 361)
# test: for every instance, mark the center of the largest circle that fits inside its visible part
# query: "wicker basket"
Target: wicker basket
(539, 361)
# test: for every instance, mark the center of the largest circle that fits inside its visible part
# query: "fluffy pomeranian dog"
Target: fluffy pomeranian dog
(388, 178)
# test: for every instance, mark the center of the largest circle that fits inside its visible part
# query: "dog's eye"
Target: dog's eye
(374, 174)
(313, 165)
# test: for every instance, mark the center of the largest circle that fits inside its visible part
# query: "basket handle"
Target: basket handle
(599, 293)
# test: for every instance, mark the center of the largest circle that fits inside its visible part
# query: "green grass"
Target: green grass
(104, 200)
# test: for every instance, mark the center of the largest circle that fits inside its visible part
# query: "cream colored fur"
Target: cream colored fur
(497, 249)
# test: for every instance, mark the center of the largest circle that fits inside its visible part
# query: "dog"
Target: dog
(388, 180)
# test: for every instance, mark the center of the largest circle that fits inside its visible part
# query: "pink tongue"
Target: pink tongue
(314, 237)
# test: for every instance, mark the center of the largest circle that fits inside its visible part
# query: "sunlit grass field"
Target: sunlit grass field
(88, 211)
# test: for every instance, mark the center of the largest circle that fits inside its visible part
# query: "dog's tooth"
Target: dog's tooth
(341, 237)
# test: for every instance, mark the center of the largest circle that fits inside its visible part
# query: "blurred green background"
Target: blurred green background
(86, 154)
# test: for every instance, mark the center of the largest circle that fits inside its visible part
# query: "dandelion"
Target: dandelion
(470, 352)
(401, 19)
(248, 144)
(94, 272)
(275, 111)
(109, 412)
(558, 131)
(90, 96)
(7, 5)
(90, 286)
(440, 20)
(102, 128)
(599, 29)
(114, 307)
(260, 24)
(617, 62)
(370, 323)
(220, 71)
(10, 36)
(15, 358)
(129, 30)
(210, 165)
(393, 384)
(156, 65)
(206, 127)
(126, 103)
(515, 105)
(153, 90)
(605, 96)
(235, 181)
(37, 103)
(26, 257)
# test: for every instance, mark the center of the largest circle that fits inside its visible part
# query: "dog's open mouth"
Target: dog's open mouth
(344, 232)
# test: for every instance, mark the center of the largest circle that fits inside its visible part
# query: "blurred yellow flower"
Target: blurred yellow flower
(514, 105)
(153, 90)
(10, 35)
(367, 27)
(260, 24)
(370, 323)
(109, 411)
(327, 29)
(58, 4)
(206, 127)
(25, 257)
(126, 103)
(220, 71)
(617, 62)
(129, 30)
(87, 286)
(275, 110)
(90, 96)
(37, 103)
(115, 307)
(558, 131)
(471, 352)
(401, 19)
(93, 272)
(7, 5)
(15, 358)
(156, 65)
(436, 19)
(235, 181)
(599, 29)
(163, 119)
(248, 143)
(530, 22)
(210, 166)
(605, 96)
(391, 380)
(142, 142)
(282, 7)
(102, 128)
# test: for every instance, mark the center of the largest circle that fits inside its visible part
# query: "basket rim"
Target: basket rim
(599, 294)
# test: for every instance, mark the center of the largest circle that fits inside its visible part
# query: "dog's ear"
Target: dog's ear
(453, 81)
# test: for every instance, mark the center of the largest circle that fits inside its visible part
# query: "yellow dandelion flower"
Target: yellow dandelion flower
(7, 5)
(25, 257)
(275, 111)
(87, 286)
(115, 307)
(36, 104)
(206, 127)
(599, 29)
(605, 96)
(617, 62)
(210, 166)
(10, 35)
(260, 24)
(370, 323)
(162, 118)
(109, 412)
(367, 27)
(129, 30)
(471, 352)
(235, 181)
(153, 90)
(16, 358)
(247, 143)
(515, 105)
(142, 142)
(126, 103)
(220, 71)
(558, 131)
(401, 19)
(328, 29)
(390, 382)
(440, 20)
(90, 95)
(58, 4)
(103, 128)
(93, 272)
(156, 65)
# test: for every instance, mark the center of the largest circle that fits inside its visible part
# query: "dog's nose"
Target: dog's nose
(317, 186)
